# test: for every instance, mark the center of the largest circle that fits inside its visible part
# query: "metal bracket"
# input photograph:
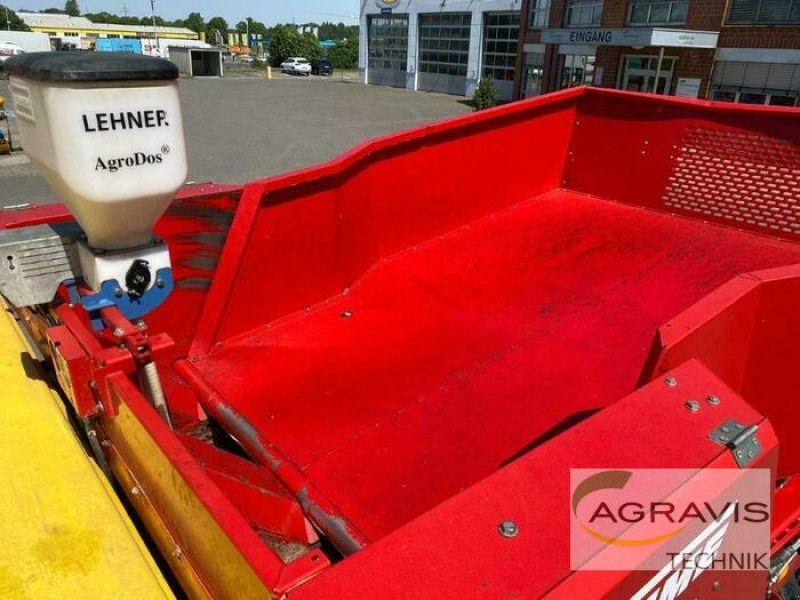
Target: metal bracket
(741, 439)
(132, 307)
(35, 260)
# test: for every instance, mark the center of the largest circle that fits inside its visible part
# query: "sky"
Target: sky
(233, 11)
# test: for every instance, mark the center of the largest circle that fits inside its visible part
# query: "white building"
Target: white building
(439, 45)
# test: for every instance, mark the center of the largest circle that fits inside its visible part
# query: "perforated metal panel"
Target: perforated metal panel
(744, 178)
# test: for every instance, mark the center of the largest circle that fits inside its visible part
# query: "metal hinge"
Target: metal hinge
(741, 439)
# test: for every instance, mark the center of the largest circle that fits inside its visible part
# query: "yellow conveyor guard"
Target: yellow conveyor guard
(64, 532)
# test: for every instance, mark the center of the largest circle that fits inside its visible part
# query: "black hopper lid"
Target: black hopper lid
(90, 66)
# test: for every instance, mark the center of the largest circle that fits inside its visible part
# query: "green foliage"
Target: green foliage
(217, 24)
(338, 31)
(486, 94)
(256, 28)
(15, 22)
(258, 64)
(345, 54)
(195, 22)
(286, 41)
(72, 9)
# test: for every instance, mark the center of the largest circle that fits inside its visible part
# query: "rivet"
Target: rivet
(739, 453)
(140, 324)
(755, 441)
(160, 283)
(347, 314)
(725, 429)
(692, 405)
(177, 552)
(508, 529)
(118, 293)
(713, 400)
(135, 491)
(749, 454)
(671, 381)
(105, 443)
(118, 331)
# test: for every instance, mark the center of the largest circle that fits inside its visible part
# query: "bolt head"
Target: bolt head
(140, 324)
(347, 314)
(713, 400)
(508, 529)
(135, 491)
(670, 381)
(118, 331)
(160, 283)
(118, 293)
(692, 405)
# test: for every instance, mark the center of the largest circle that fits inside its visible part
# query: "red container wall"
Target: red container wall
(315, 233)
(726, 164)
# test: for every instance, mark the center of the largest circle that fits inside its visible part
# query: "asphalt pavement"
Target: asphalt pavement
(246, 127)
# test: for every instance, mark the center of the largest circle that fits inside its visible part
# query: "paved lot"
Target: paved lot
(242, 128)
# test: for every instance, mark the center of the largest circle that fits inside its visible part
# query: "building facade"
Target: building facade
(734, 50)
(80, 33)
(439, 45)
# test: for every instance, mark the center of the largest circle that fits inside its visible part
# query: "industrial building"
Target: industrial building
(736, 50)
(80, 33)
(432, 45)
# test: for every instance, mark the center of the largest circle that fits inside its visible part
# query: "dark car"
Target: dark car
(321, 66)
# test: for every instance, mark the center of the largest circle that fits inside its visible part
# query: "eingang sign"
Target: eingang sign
(597, 36)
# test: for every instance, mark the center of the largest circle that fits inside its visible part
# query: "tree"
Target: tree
(14, 22)
(285, 42)
(72, 9)
(486, 94)
(344, 55)
(195, 22)
(217, 24)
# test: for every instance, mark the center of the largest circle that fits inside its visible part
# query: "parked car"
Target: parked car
(296, 65)
(321, 66)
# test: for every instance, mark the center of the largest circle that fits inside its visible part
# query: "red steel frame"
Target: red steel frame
(274, 258)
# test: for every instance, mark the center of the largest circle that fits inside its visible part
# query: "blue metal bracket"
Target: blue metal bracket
(111, 294)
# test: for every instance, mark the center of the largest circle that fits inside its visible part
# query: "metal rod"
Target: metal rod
(658, 71)
(319, 510)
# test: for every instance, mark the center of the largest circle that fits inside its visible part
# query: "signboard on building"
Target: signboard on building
(595, 36)
(688, 87)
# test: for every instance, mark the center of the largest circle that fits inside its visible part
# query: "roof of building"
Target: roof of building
(53, 21)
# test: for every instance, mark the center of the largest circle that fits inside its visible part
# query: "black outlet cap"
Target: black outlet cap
(90, 66)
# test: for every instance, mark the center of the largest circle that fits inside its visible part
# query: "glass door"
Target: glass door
(575, 70)
(639, 74)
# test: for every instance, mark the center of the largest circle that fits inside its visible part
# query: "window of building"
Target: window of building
(575, 70)
(756, 83)
(655, 12)
(764, 11)
(387, 42)
(540, 14)
(444, 43)
(70, 34)
(500, 36)
(532, 74)
(584, 13)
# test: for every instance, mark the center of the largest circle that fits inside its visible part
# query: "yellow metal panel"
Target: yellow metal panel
(64, 533)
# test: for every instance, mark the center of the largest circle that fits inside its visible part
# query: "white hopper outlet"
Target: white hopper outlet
(107, 133)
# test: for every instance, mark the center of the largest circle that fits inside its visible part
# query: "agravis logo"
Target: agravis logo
(641, 519)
